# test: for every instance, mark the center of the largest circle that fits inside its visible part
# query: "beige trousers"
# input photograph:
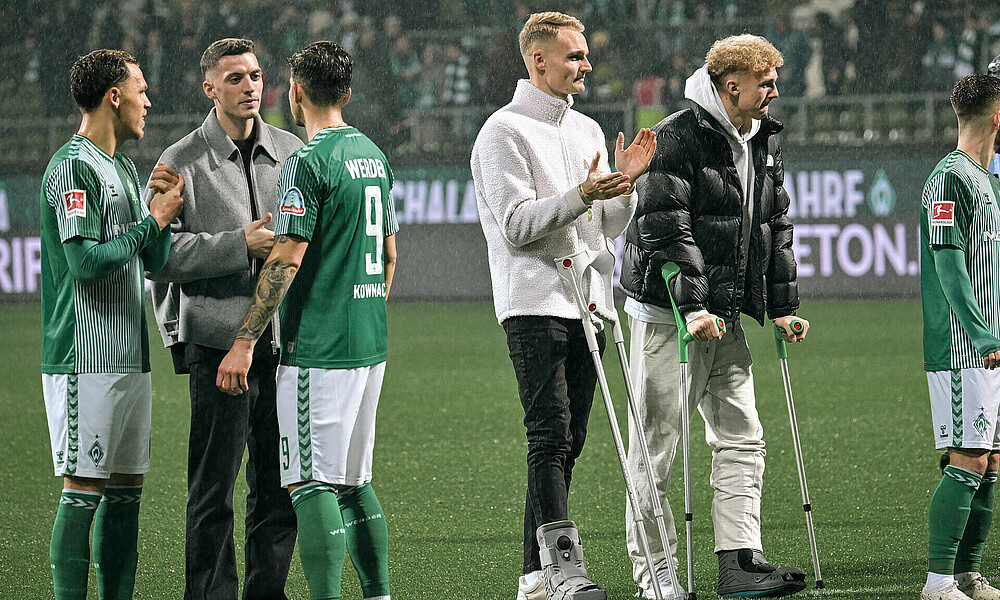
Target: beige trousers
(721, 388)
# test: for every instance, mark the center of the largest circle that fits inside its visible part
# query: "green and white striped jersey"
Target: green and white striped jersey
(336, 192)
(100, 326)
(960, 209)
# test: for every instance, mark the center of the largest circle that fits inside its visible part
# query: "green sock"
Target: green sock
(116, 541)
(321, 538)
(367, 539)
(69, 551)
(970, 549)
(949, 513)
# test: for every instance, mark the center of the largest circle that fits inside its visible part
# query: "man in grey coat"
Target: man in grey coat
(231, 164)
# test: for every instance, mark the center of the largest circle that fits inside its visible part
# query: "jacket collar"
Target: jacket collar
(535, 103)
(768, 125)
(221, 146)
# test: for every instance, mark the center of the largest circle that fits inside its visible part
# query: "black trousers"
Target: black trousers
(221, 427)
(555, 381)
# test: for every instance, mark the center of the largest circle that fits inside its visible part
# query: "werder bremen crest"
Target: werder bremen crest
(96, 453)
(881, 195)
(980, 423)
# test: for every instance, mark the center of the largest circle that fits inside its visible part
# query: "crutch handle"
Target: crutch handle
(721, 324)
(669, 271)
(602, 312)
(796, 327)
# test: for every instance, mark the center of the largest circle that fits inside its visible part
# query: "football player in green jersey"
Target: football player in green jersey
(97, 238)
(960, 261)
(335, 228)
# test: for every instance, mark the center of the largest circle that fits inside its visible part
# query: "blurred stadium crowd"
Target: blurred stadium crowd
(427, 72)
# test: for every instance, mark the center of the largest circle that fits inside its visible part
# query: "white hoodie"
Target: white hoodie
(700, 89)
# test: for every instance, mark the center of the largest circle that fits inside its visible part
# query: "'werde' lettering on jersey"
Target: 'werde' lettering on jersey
(366, 167)
(369, 290)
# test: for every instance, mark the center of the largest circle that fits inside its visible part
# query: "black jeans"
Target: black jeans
(555, 380)
(221, 427)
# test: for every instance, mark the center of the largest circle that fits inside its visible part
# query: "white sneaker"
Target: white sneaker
(666, 586)
(535, 591)
(975, 586)
(951, 593)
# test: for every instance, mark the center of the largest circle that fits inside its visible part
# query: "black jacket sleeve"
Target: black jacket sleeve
(782, 290)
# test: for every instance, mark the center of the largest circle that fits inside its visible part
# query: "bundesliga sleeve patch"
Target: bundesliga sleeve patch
(76, 203)
(292, 203)
(943, 213)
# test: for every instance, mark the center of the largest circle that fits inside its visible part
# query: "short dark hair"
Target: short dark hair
(225, 47)
(93, 75)
(975, 95)
(324, 70)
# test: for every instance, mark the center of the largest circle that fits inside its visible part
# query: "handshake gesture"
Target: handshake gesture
(167, 201)
(631, 163)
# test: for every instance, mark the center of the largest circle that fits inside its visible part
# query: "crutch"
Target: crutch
(797, 327)
(572, 269)
(669, 271)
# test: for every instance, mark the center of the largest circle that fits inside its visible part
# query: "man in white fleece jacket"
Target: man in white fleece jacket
(537, 166)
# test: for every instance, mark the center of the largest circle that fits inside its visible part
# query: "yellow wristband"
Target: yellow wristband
(586, 200)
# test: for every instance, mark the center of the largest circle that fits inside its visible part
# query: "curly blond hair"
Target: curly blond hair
(745, 52)
(544, 27)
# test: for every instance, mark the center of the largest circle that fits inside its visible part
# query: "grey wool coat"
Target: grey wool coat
(202, 295)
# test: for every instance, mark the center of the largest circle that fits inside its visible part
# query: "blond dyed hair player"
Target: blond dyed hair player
(712, 202)
(544, 190)
(97, 239)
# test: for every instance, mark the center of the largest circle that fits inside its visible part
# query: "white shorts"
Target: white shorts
(326, 420)
(964, 406)
(98, 423)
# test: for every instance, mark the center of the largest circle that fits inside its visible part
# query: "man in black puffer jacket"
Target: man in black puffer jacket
(712, 201)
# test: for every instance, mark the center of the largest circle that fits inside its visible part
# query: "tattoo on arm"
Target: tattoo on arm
(274, 280)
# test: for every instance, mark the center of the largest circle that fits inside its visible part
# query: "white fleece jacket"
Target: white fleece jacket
(527, 161)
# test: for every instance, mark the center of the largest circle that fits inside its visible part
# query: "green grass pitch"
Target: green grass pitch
(449, 461)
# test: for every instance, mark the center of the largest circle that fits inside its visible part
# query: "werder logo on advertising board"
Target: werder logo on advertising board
(881, 195)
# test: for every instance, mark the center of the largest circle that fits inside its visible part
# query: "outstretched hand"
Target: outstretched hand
(600, 187)
(634, 160)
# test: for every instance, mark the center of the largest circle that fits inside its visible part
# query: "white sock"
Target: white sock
(938, 583)
(529, 579)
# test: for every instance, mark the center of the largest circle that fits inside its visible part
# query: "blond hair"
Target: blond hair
(745, 52)
(544, 27)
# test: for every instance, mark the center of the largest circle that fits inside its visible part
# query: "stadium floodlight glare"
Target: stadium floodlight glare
(797, 327)
(573, 270)
(670, 271)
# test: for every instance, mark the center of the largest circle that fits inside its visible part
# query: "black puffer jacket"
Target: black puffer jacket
(690, 212)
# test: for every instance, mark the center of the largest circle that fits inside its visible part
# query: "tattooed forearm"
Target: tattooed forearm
(274, 280)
